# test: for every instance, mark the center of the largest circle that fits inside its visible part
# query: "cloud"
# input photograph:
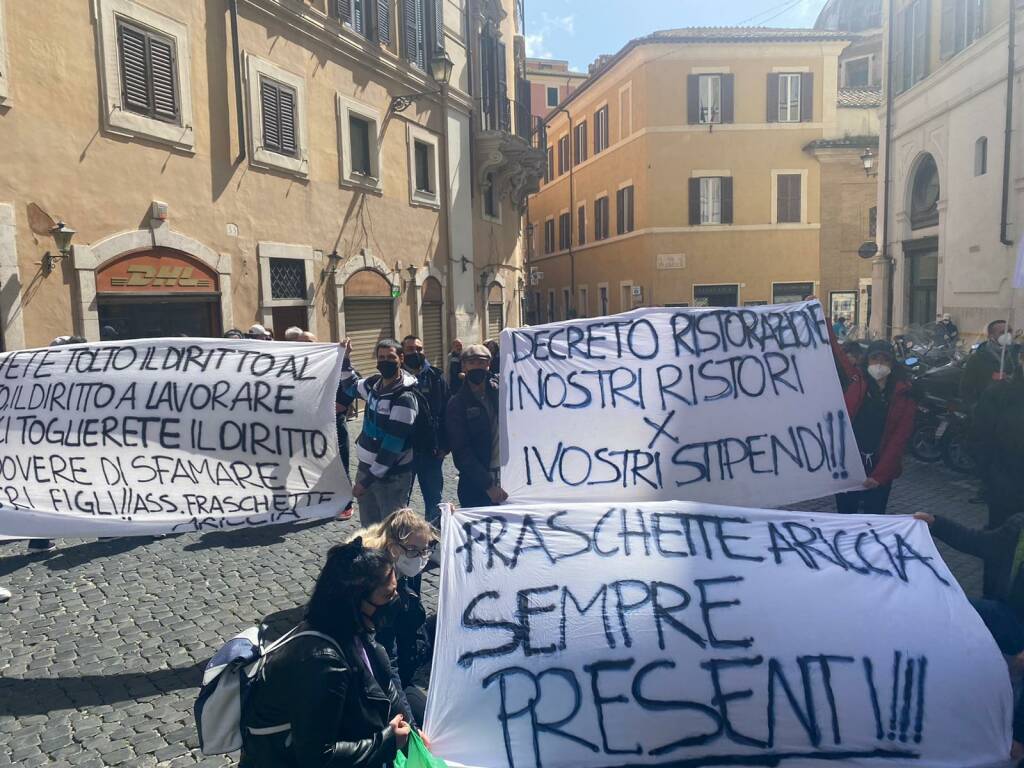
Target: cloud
(565, 23)
(535, 47)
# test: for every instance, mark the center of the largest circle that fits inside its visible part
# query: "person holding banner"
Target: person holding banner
(335, 692)
(992, 361)
(472, 425)
(878, 398)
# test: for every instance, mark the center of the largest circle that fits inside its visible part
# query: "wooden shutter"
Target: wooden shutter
(433, 336)
(773, 97)
(500, 67)
(269, 106)
(383, 16)
(358, 19)
(921, 19)
(620, 212)
(630, 204)
(581, 225)
(343, 10)
(807, 97)
(693, 99)
(438, 8)
(728, 91)
(487, 80)
(411, 30)
(134, 72)
(163, 71)
(947, 40)
(726, 199)
(289, 145)
(694, 202)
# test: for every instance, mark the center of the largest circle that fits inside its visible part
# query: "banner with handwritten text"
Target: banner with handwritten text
(684, 634)
(167, 435)
(730, 406)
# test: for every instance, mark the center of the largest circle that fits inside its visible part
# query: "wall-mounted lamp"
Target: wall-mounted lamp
(62, 235)
(465, 263)
(333, 261)
(440, 69)
(868, 161)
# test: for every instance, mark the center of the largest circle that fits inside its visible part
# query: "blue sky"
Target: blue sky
(580, 30)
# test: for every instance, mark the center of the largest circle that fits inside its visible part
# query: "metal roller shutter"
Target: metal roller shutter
(433, 340)
(495, 319)
(367, 321)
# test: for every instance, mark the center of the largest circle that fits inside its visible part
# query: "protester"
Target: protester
(337, 698)
(854, 352)
(259, 333)
(384, 448)
(309, 337)
(108, 333)
(455, 367)
(878, 399)
(409, 541)
(293, 333)
(234, 333)
(992, 361)
(429, 462)
(840, 329)
(495, 350)
(998, 446)
(946, 333)
(472, 427)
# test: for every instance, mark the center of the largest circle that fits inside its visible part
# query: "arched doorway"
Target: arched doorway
(495, 311)
(157, 292)
(432, 312)
(921, 249)
(369, 316)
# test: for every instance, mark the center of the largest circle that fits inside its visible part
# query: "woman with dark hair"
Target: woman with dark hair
(330, 699)
(878, 398)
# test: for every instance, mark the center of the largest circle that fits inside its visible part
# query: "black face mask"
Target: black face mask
(476, 376)
(387, 368)
(415, 360)
(384, 615)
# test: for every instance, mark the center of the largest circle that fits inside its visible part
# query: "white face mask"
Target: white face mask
(878, 371)
(1006, 339)
(411, 566)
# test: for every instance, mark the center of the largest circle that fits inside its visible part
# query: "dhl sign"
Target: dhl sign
(160, 270)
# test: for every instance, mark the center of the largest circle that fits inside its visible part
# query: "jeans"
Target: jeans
(384, 497)
(1003, 623)
(869, 502)
(431, 479)
(471, 495)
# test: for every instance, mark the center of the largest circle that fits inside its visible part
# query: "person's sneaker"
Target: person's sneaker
(5, 595)
(346, 513)
(41, 545)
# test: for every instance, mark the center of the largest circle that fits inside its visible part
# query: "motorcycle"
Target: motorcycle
(942, 429)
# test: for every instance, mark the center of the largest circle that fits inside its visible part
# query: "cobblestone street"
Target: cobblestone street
(103, 644)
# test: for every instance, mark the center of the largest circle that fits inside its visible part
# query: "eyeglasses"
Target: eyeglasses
(417, 552)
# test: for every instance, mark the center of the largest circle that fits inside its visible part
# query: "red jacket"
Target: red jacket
(899, 421)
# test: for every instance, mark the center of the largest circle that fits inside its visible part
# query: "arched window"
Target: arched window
(924, 195)
(981, 156)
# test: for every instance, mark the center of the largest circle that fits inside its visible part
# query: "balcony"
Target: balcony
(510, 149)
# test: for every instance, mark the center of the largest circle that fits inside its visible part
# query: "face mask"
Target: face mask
(476, 376)
(387, 368)
(384, 613)
(879, 371)
(1006, 339)
(414, 359)
(411, 566)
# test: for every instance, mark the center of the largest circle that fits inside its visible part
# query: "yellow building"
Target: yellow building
(284, 162)
(678, 176)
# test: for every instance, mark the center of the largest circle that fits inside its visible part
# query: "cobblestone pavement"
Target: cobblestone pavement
(103, 644)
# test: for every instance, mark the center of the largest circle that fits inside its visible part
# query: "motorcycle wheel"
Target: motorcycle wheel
(956, 453)
(924, 446)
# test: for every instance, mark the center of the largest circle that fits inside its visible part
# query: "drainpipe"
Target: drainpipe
(1004, 223)
(237, 61)
(883, 259)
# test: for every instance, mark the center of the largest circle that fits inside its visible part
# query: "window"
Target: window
(579, 143)
(787, 190)
(358, 130)
(788, 293)
(716, 295)
(148, 66)
(910, 59)
(415, 21)
(603, 296)
(352, 14)
(551, 306)
(857, 73)
(601, 219)
(495, 114)
(564, 231)
(563, 155)
(710, 90)
(789, 98)
(287, 279)
(981, 156)
(601, 130)
(491, 202)
(146, 73)
(277, 117)
(581, 225)
(421, 154)
(370, 18)
(551, 164)
(963, 22)
(873, 222)
(624, 210)
(552, 93)
(423, 167)
(583, 309)
(710, 200)
(924, 195)
(549, 236)
(566, 307)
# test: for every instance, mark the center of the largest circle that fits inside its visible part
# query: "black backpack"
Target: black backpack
(424, 440)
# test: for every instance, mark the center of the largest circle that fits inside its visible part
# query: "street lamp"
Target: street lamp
(440, 69)
(62, 235)
(868, 161)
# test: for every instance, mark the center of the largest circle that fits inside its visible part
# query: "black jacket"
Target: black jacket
(339, 715)
(996, 547)
(454, 369)
(403, 636)
(469, 435)
(434, 389)
(999, 442)
(981, 367)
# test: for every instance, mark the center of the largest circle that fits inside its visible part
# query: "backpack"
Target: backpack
(227, 683)
(423, 437)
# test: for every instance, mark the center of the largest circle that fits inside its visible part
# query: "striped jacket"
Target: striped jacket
(384, 446)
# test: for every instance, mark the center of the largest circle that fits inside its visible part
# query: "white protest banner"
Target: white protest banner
(167, 435)
(681, 634)
(730, 406)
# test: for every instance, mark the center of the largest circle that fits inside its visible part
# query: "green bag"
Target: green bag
(419, 755)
